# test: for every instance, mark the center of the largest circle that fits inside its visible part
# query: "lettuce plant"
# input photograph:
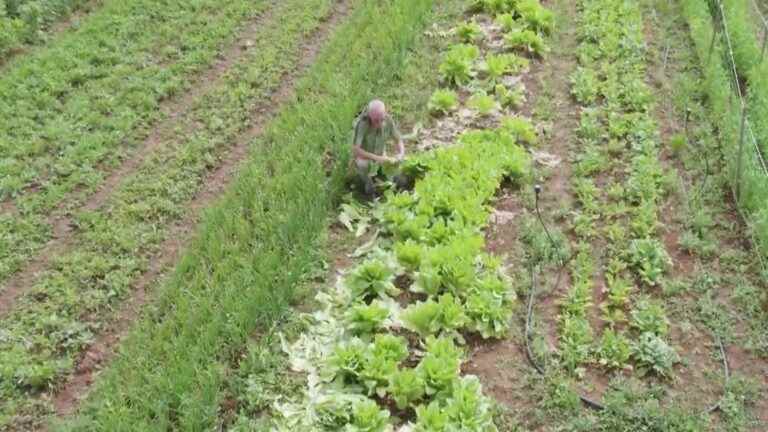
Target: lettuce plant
(488, 314)
(614, 350)
(469, 32)
(526, 40)
(483, 104)
(430, 317)
(536, 17)
(510, 98)
(443, 102)
(368, 417)
(406, 387)
(364, 319)
(649, 259)
(457, 66)
(522, 130)
(654, 355)
(373, 278)
(649, 317)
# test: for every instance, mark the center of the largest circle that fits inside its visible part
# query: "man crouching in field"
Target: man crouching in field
(374, 130)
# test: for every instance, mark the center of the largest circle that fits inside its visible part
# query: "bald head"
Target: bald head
(377, 111)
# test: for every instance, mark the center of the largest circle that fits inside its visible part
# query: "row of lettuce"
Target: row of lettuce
(259, 242)
(46, 331)
(746, 43)
(385, 350)
(619, 186)
(74, 110)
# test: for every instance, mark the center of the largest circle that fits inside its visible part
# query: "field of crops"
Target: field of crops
(581, 243)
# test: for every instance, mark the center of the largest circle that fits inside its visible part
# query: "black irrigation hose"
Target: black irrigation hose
(529, 319)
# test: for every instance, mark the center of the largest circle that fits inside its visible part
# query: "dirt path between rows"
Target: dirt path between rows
(174, 110)
(103, 349)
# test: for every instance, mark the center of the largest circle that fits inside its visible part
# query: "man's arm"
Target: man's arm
(362, 154)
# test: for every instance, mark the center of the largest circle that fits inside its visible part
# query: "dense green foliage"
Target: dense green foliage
(72, 111)
(48, 328)
(255, 246)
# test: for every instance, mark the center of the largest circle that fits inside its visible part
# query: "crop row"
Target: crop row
(381, 352)
(23, 21)
(725, 108)
(619, 187)
(75, 109)
(49, 327)
(258, 243)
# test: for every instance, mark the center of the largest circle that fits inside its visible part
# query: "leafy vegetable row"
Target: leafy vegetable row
(618, 137)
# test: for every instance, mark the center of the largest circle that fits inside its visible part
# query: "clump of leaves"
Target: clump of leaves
(526, 40)
(443, 101)
(494, 7)
(406, 387)
(585, 85)
(614, 350)
(653, 354)
(430, 317)
(372, 278)
(649, 317)
(513, 98)
(457, 66)
(507, 22)
(521, 129)
(368, 417)
(496, 66)
(469, 32)
(649, 259)
(365, 319)
(440, 367)
(678, 143)
(483, 104)
(536, 16)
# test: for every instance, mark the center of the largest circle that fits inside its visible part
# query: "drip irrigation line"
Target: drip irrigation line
(588, 402)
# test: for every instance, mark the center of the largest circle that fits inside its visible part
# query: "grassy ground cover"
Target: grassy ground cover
(725, 108)
(24, 21)
(76, 108)
(47, 329)
(256, 245)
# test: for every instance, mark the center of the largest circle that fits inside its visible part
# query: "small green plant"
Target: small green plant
(614, 350)
(536, 17)
(526, 40)
(653, 355)
(443, 101)
(368, 417)
(678, 143)
(649, 317)
(507, 22)
(585, 85)
(649, 259)
(457, 66)
(483, 104)
(372, 278)
(365, 319)
(469, 32)
(521, 129)
(406, 387)
(510, 98)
